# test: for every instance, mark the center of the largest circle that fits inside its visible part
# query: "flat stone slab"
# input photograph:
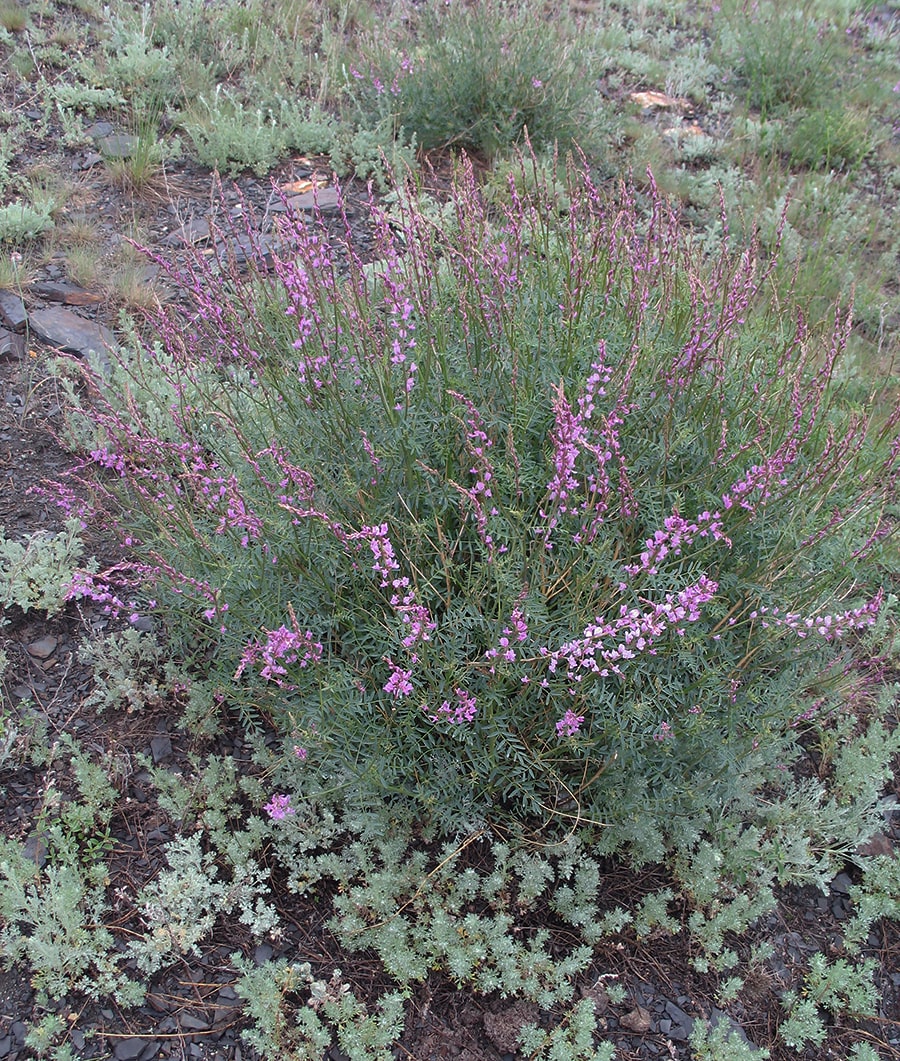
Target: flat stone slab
(62, 291)
(326, 199)
(99, 130)
(118, 145)
(67, 331)
(11, 344)
(193, 231)
(12, 311)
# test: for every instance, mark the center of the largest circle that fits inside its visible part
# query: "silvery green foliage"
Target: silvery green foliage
(804, 1025)
(44, 1038)
(878, 896)
(420, 917)
(53, 919)
(719, 1042)
(231, 137)
(35, 572)
(181, 904)
(840, 987)
(283, 1031)
(571, 1040)
(128, 671)
(864, 1052)
(21, 221)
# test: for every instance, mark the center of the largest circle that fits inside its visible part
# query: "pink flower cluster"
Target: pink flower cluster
(604, 645)
(830, 627)
(479, 495)
(518, 630)
(755, 488)
(281, 649)
(572, 435)
(279, 807)
(399, 683)
(677, 533)
(96, 587)
(463, 711)
(382, 550)
(569, 724)
(413, 615)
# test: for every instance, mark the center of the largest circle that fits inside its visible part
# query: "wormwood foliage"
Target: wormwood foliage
(537, 515)
(36, 572)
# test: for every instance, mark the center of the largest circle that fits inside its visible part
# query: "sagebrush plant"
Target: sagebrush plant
(21, 221)
(53, 909)
(331, 1012)
(36, 572)
(840, 987)
(231, 137)
(504, 522)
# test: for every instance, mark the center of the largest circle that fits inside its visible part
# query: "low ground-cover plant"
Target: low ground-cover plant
(36, 572)
(535, 515)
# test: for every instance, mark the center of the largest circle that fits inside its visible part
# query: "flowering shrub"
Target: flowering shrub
(481, 77)
(536, 514)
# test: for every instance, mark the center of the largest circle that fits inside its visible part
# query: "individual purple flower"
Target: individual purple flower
(279, 807)
(301, 753)
(569, 724)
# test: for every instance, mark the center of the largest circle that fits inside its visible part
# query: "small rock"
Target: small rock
(5, 1045)
(43, 648)
(841, 884)
(129, 1049)
(681, 1023)
(188, 1022)
(91, 159)
(12, 311)
(638, 1020)
(35, 849)
(65, 330)
(117, 145)
(326, 199)
(879, 844)
(262, 954)
(11, 344)
(99, 130)
(160, 747)
(597, 994)
(193, 231)
(70, 294)
(245, 248)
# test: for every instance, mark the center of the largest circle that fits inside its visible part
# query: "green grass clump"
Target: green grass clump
(479, 77)
(783, 55)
